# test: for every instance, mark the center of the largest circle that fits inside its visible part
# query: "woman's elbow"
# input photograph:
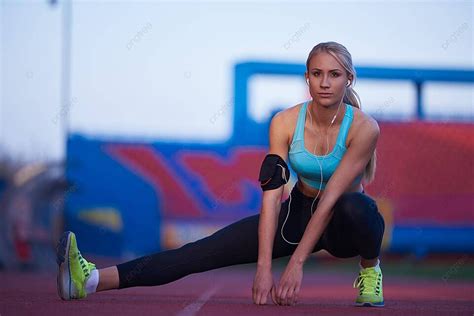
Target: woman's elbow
(272, 199)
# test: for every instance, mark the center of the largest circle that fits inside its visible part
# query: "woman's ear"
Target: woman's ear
(350, 77)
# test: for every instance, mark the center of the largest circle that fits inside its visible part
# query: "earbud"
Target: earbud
(307, 81)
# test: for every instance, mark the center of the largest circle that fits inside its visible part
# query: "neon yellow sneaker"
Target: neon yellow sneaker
(369, 283)
(74, 270)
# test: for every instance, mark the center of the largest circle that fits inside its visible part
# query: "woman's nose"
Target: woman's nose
(324, 82)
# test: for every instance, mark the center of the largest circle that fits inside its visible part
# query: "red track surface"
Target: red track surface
(227, 291)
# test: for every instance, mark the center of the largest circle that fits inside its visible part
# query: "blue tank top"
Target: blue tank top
(305, 164)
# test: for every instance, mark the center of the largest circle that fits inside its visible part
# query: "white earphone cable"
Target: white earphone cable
(320, 173)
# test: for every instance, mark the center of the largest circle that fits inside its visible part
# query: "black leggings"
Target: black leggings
(356, 228)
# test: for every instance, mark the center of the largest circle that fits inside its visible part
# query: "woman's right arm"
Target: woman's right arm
(271, 202)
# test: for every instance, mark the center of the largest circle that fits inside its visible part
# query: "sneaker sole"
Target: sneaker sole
(368, 304)
(64, 272)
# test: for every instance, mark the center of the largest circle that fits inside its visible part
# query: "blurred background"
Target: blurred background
(141, 125)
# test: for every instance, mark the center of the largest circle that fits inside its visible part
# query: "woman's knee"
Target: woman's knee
(356, 207)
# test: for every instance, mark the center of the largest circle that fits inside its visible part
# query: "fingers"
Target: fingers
(281, 290)
(259, 296)
(263, 298)
(274, 295)
(256, 296)
(281, 295)
(285, 296)
(291, 297)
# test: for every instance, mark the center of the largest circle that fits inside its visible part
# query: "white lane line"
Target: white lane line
(195, 306)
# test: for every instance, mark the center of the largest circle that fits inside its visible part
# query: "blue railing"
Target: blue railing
(419, 76)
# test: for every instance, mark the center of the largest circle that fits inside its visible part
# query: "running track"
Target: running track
(227, 292)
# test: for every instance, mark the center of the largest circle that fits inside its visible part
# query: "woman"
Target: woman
(328, 207)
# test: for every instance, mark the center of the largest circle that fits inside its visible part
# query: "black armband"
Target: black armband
(274, 172)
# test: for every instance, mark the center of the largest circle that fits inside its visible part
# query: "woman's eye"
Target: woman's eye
(335, 74)
(316, 73)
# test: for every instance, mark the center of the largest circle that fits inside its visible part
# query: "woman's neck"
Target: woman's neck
(323, 115)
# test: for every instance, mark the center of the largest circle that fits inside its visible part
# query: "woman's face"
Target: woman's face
(327, 79)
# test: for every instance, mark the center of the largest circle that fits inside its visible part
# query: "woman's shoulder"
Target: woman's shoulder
(283, 123)
(363, 123)
(288, 115)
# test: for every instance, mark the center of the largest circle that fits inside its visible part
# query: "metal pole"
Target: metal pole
(420, 115)
(66, 100)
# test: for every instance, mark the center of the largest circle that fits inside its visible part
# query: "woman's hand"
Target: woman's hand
(263, 286)
(290, 283)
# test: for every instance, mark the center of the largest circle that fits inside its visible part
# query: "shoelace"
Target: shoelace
(368, 283)
(86, 266)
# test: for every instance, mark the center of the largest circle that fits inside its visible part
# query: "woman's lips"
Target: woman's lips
(325, 95)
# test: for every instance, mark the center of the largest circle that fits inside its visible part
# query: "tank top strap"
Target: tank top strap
(345, 125)
(299, 128)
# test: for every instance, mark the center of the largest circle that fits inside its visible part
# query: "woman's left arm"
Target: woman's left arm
(352, 164)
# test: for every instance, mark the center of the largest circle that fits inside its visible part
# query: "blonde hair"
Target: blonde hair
(342, 55)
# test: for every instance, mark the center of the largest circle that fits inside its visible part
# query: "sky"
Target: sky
(159, 70)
